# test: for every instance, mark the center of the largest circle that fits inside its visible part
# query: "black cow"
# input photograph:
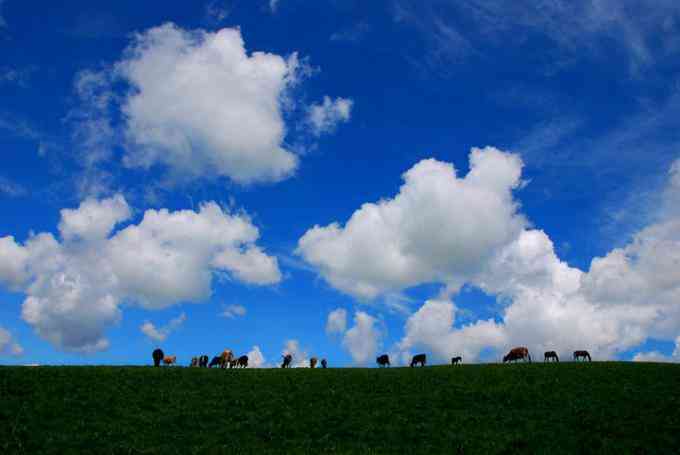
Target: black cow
(287, 359)
(203, 361)
(324, 363)
(583, 355)
(216, 361)
(242, 361)
(456, 360)
(419, 359)
(157, 357)
(551, 356)
(383, 360)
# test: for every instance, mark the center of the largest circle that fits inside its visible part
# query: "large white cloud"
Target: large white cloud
(337, 321)
(75, 286)
(449, 230)
(362, 340)
(438, 228)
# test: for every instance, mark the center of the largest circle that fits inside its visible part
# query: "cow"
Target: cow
(583, 355)
(157, 355)
(233, 363)
(226, 358)
(194, 362)
(287, 359)
(170, 360)
(312, 362)
(551, 356)
(324, 364)
(216, 361)
(456, 360)
(383, 360)
(203, 361)
(520, 353)
(419, 359)
(242, 361)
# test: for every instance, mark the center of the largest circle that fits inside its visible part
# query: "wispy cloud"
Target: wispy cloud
(17, 76)
(233, 311)
(352, 34)
(161, 333)
(10, 188)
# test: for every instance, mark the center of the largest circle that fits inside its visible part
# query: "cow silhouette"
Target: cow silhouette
(157, 355)
(287, 359)
(383, 360)
(419, 359)
(582, 355)
(551, 356)
(520, 353)
(456, 360)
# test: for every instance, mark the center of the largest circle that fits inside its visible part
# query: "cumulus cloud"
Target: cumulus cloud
(362, 340)
(256, 358)
(75, 286)
(8, 346)
(233, 311)
(161, 333)
(325, 117)
(438, 228)
(444, 229)
(337, 321)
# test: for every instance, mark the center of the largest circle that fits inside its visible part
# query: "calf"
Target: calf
(287, 359)
(170, 360)
(419, 359)
(551, 356)
(520, 353)
(583, 355)
(324, 364)
(312, 362)
(456, 360)
(157, 355)
(383, 360)
(242, 361)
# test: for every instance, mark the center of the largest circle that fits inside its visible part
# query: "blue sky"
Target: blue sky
(567, 237)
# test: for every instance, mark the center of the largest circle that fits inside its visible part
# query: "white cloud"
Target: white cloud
(337, 321)
(256, 358)
(10, 188)
(75, 286)
(228, 120)
(8, 346)
(362, 340)
(438, 228)
(217, 10)
(233, 311)
(162, 333)
(449, 230)
(325, 117)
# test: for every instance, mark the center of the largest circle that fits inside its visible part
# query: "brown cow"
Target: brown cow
(583, 355)
(419, 359)
(287, 359)
(226, 358)
(551, 356)
(520, 353)
(170, 360)
(456, 360)
(312, 362)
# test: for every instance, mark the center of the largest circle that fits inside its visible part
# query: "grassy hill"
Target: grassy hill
(565, 408)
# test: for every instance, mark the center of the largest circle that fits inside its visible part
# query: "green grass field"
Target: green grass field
(565, 408)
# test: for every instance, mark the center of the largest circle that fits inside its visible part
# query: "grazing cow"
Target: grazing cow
(419, 359)
(383, 360)
(521, 353)
(287, 359)
(242, 361)
(312, 362)
(157, 355)
(203, 361)
(194, 362)
(456, 360)
(583, 355)
(225, 358)
(324, 364)
(233, 363)
(551, 356)
(170, 360)
(216, 361)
